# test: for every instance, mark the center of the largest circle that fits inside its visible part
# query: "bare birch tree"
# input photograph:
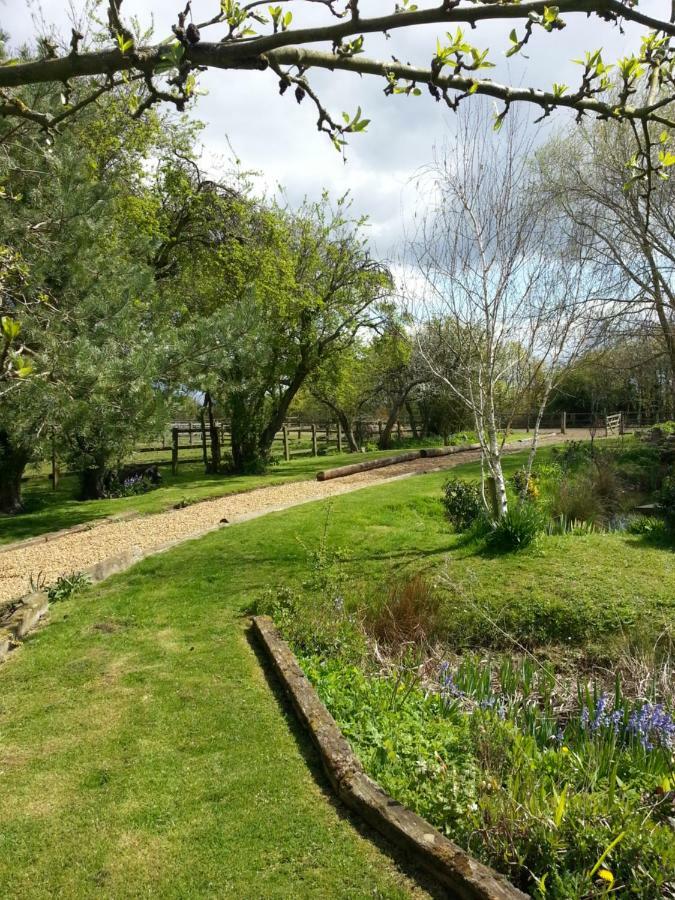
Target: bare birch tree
(506, 306)
(626, 225)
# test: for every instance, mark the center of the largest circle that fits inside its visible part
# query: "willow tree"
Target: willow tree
(333, 35)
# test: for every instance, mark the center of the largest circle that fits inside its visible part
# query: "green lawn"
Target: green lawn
(144, 753)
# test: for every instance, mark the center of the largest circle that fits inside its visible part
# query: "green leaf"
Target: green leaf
(10, 328)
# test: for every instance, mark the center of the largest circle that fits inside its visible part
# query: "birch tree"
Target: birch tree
(626, 224)
(500, 306)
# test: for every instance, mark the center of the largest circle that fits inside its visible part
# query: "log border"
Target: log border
(367, 465)
(447, 863)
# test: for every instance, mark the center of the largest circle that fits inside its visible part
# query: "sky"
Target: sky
(277, 138)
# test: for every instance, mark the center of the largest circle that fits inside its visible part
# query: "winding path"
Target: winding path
(22, 566)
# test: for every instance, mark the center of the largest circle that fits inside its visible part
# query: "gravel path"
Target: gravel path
(78, 551)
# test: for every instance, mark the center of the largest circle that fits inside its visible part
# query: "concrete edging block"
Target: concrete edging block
(113, 565)
(455, 869)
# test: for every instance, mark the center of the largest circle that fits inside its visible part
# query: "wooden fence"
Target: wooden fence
(188, 443)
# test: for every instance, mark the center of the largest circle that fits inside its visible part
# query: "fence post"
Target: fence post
(287, 449)
(622, 429)
(379, 429)
(315, 451)
(339, 438)
(327, 437)
(563, 423)
(174, 451)
(205, 454)
(398, 431)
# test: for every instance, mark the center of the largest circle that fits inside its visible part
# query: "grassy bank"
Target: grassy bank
(151, 757)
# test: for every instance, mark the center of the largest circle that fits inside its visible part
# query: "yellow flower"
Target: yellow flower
(607, 876)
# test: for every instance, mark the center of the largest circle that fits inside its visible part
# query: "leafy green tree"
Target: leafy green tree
(87, 301)
(268, 299)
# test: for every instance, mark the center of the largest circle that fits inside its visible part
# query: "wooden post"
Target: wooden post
(287, 449)
(622, 429)
(379, 429)
(315, 451)
(190, 432)
(398, 431)
(174, 451)
(205, 452)
(55, 467)
(339, 438)
(563, 423)
(327, 437)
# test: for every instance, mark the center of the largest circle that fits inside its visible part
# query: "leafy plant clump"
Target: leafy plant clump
(566, 805)
(518, 528)
(526, 487)
(131, 486)
(463, 503)
(66, 585)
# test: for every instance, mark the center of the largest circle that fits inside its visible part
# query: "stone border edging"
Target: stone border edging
(367, 465)
(30, 610)
(445, 861)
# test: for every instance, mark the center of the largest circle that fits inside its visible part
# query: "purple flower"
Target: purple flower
(651, 725)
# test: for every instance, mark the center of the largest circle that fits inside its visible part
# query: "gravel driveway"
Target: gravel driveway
(78, 551)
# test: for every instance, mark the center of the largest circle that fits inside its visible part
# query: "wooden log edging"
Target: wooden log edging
(355, 468)
(456, 870)
(432, 452)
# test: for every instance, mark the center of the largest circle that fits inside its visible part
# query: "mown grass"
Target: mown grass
(143, 753)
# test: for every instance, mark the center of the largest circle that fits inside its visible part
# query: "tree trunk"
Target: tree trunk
(411, 419)
(385, 437)
(348, 429)
(92, 482)
(279, 413)
(214, 465)
(13, 461)
(535, 437)
(494, 464)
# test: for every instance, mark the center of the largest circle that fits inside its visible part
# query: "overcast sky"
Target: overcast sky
(274, 135)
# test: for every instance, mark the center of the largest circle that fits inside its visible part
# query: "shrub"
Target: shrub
(643, 525)
(573, 454)
(463, 503)
(411, 613)
(518, 528)
(667, 498)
